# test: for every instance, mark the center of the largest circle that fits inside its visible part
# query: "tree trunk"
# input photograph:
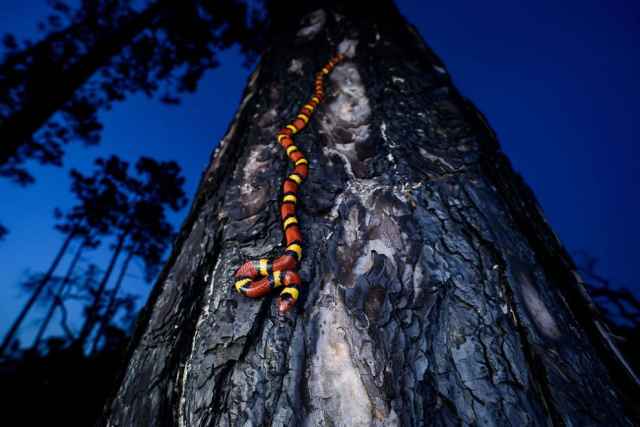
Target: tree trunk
(57, 298)
(48, 93)
(8, 338)
(93, 310)
(110, 309)
(434, 291)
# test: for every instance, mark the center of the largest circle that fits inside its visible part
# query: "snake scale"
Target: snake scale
(257, 278)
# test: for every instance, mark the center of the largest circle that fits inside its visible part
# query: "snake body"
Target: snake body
(256, 278)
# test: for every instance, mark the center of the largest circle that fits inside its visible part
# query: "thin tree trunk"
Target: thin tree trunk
(92, 312)
(110, 310)
(435, 293)
(48, 96)
(35, 294)
(58, 296)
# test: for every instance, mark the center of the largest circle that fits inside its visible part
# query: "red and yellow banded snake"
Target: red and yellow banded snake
(258, 277)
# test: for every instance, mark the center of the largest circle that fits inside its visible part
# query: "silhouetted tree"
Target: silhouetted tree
(32, 281)
(618, 306)
(38, 289)
(157, 187)
(100, 205)
(149, 242)
(111, 307)
(97, 54)
(69, 386)
(58, 297)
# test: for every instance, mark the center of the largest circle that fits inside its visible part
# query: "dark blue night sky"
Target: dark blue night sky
(558, 81)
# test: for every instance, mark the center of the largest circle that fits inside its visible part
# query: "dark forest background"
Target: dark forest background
(110, 108)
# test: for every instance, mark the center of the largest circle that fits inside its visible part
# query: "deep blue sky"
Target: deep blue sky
(558, 82)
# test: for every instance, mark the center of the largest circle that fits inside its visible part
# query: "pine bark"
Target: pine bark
(435, 292)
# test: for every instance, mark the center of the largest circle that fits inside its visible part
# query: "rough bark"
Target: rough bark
(435, 292)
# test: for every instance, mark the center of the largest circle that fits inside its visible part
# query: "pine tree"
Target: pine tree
(57, 299)
(100, 202)
(435, 293)
(152, 232)
(142, 222)
(100, 53)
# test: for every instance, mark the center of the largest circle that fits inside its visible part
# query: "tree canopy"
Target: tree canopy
(100, 52)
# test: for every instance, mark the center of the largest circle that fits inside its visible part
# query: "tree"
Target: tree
(100, 204)
(435, 293)
(151, 233)
(57, 300)
(142, 220)
(69, 385)
(100, 53)
(619, 306)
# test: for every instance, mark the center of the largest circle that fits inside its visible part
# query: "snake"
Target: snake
(257, 278)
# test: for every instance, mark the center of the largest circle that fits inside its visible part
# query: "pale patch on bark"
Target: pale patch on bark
(365, 262)
(439, 69)
(538, 310)
(313, 23)
(350, 107)
(372, 228)
(437, 159)
(385, 136)
(345, 118)
(295, 67)
(187, 368)
(268, 118)
(344, 122)
(333, 376)
(251, 195)
(347, 47)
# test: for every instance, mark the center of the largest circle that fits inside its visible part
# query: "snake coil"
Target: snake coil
(257, 278)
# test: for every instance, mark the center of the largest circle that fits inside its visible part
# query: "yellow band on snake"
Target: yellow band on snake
(295, 248)
(302, 161)
(263, 266)
(289, 221)
(291, 149)
(277, 279)
(289, 198)
(295, 178)
(241, 283)
(292, 128)
(290, 291)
